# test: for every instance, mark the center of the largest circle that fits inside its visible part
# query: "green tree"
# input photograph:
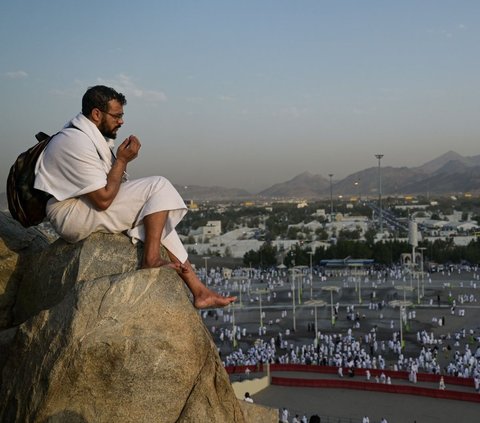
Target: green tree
(297, 256)
(266, 256)
(322, 234)
(349, 234)
(292, 232)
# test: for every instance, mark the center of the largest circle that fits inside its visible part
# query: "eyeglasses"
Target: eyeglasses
(117, 116)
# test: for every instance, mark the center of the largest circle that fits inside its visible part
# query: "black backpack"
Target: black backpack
(27, 204)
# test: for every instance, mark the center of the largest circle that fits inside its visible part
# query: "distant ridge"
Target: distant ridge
(305, 185)
(450, 173)
(451, 156)
(447, 174)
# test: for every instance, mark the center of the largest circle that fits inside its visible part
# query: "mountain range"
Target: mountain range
(450, 173)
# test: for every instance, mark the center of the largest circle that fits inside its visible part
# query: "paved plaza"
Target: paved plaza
(352, 405)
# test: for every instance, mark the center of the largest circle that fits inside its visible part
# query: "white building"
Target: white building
(211, 229)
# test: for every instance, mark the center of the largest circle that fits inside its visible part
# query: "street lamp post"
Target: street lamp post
(310, 253)
(234, 329)
(359, 278)
(331, 289)
(316, 303)
(261, 312)
(355, 274)
(331, 302)
(418, 288)
(422, 249)
(259, 292)
(293, 303)
(331, 197)
(294, 271)
(206, 270)
(403, 310)
(300, 290)
(405, 288)
(380, 216)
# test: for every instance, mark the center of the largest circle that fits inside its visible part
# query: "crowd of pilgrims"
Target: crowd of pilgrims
(346, 350)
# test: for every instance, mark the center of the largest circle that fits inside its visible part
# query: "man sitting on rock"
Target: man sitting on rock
(91, 193)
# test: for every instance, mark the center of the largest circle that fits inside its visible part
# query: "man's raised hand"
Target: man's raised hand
(128, 149)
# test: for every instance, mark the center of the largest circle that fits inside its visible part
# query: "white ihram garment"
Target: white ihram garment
(77, 162)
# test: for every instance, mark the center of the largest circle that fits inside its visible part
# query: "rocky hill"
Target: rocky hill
(304, 185)
(451, 156)
(86, 337)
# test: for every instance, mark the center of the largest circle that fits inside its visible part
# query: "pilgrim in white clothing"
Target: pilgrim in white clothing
(76, 162)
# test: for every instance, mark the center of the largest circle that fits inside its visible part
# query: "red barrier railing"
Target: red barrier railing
(378, 387)
(402, 375)
(241, 369)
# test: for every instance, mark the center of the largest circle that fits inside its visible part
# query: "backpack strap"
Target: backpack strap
(41, 136)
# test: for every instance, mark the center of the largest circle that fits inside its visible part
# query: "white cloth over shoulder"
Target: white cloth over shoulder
(76, 163)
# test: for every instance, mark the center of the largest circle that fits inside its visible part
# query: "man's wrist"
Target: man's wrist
(122, 161)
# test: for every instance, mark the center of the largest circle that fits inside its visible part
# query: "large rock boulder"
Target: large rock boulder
(17, 245)
(256, 413)
(96, 340)
(54, 271)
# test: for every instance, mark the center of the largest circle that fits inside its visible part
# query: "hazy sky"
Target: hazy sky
(249, 93)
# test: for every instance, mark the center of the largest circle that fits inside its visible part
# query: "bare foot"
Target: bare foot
(210, 299)
(160, 263)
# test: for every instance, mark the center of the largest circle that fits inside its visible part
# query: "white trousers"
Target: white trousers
(75, 218)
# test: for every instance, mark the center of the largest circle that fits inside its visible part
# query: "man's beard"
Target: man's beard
(107, 132)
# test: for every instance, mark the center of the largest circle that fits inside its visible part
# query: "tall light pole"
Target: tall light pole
(331, 289)
(259, 292)
(380, 217)
(357, 278)
(234, 329)
(315, 303)
(240, 294)
(310, 253)
(331, 302)
(261, 313)
(292, 272)
(206, 270)
(402, 305)
(293, 305)
(422, 249)
(403, 312)
(300, 290)
(331, 197)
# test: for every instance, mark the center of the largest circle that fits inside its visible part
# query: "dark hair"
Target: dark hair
(98, 97)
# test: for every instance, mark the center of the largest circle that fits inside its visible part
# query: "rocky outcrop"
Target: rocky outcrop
(255, 413)
(17, 245)
(55, 271)
(95, 340)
